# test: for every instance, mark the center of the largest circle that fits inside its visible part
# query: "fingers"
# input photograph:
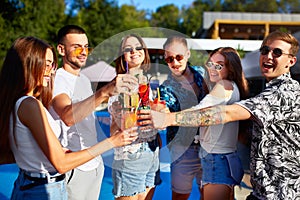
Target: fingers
(130, 135)
(145, 122)
(126, 83)
(132, 132)
(144, 118)
(143, 115)
(158, 119)
(128, 78)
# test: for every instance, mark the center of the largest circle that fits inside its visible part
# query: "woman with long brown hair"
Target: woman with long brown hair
(221, 166)
(29, 131)
(134, 165)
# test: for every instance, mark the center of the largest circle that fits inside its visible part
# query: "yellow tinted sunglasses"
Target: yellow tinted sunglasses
(78, 50)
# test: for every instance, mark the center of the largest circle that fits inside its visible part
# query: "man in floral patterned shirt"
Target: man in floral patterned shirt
(275, 148)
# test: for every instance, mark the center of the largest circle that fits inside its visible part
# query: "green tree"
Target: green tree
(193, 15)
(131, 18)
(102, 19)
(39, 18)
(274, 6)
(167, 16)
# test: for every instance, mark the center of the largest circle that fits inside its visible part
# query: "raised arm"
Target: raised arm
(51, 147)
(72, 113)
(204, 117)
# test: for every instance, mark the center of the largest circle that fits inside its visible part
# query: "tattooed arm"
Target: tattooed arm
(204, 117)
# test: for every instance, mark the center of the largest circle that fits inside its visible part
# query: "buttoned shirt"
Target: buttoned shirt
(275, 147)
(178, 98)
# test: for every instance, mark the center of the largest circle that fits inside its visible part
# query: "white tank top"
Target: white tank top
(28, 154)
(221, 138)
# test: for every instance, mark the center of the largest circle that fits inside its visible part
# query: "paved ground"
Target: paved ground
(242, 192)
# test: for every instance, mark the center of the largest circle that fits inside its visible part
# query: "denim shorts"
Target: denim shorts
(217, 170)
(133, 176)
(50, 191)
(185, 169)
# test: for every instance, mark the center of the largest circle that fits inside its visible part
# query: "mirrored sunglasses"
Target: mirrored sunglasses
(276, 52)
(171, 59)
(130, 49)
(78, 50)
(215, 66)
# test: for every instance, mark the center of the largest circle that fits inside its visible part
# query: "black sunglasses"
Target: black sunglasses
(216, 66)
(130, 49)
(276, 52)
(170, 59)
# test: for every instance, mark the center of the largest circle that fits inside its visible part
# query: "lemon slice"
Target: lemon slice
(130, 121)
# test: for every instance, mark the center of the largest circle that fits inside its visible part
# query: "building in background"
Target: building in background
(246, 26)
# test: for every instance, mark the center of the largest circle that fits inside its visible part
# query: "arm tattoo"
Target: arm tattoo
(203, 117)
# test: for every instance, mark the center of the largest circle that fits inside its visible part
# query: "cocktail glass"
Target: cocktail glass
(158, 105)
(128, 119)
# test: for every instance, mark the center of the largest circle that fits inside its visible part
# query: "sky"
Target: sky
(153, 4)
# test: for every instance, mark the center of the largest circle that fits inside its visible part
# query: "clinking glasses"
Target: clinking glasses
(130, 49)
(212, 65)
(276, 52)
(171, 59)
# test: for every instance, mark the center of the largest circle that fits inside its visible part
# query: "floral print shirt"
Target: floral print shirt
(275, 147)
(178, 98)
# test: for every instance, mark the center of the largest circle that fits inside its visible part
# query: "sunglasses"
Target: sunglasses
(276, 52)
(78, 50)
(171, 59)
(50, 69)
(130, 49)
(216, 66)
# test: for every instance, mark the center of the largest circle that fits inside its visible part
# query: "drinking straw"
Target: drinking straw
(127, 68)
(158, 94)
(138, 106)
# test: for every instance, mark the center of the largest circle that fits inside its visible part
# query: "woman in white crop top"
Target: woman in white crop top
(221, 166)
(28, 130)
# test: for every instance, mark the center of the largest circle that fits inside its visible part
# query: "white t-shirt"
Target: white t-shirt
(27, 152)
(220, 138)
(83, 134)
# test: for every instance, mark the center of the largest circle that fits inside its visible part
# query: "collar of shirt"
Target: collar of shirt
(279, 79)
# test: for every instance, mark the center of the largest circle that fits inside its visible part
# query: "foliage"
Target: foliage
(103, 19)
(167, 16)
(29, 17)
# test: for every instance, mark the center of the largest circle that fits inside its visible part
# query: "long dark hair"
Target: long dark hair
(22, 72)
(234, 67)
(120, 62)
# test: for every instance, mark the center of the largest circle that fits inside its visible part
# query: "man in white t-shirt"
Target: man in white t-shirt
(73, 104)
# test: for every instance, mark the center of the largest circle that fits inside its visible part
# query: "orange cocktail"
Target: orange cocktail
(128, 119)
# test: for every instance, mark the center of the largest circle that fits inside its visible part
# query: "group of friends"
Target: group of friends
(48, 125)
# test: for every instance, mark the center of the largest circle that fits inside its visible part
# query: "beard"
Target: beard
(74, 62)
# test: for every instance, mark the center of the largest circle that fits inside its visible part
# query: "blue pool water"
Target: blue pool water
(8, 173)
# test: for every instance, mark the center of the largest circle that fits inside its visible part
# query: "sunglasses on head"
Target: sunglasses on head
(276, 52)
(130, 49)
(78, 50)
(171, 59)
(216, 66)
